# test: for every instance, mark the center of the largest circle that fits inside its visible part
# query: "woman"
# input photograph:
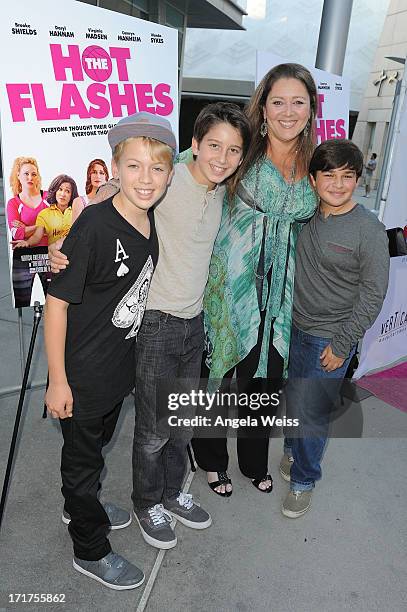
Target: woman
(249, 293)
(97, 175)
(54, 222)
(22, 210)
(28, 200)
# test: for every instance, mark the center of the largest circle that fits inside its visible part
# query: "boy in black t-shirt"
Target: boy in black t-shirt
(93, 312)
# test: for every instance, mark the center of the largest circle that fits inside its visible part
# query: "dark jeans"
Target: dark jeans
(81, 465)
(211, 454)
(311, 394)
(168, 348)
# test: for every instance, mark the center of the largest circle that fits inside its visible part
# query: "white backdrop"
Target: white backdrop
(333, 96)
(395, 212)
(69, 72)
(385, 342)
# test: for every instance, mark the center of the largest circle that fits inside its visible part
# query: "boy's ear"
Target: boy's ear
(313, 181)
(195, 146)
(115, 169)
(171, 174)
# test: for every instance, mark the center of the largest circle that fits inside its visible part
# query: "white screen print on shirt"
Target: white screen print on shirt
(130, 310)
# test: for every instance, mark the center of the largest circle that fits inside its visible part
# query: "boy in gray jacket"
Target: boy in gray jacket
(341, 276)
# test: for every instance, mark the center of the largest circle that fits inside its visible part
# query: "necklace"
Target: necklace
(284, 196)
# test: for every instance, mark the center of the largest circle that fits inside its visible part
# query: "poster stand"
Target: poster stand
(21, 339)
(37, 318)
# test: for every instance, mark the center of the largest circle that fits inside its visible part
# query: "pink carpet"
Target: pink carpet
(389, 386)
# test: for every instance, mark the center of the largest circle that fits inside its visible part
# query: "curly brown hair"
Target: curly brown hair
(88, 186)
(56, 184)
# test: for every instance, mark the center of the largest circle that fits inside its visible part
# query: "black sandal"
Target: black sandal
(257, 482)
(223, 479)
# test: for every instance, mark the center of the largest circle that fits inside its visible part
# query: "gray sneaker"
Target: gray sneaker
(296, 503)
(285, 466)
(155, 526)
(188, 512)
(118, 517)
(114, 571)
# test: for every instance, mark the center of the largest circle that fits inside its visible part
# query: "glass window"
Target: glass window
(173, 17)
(142, 5)
(134, 8)
(372, 130)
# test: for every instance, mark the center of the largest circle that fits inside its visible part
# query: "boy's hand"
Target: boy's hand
(329, 361)
(58, 260)
(17, 223)
(59, 400)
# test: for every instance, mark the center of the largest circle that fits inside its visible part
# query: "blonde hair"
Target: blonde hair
(159, 151)
(15, 184)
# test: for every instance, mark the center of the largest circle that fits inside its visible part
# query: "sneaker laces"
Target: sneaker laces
(158, 515)
(185, 500)
(114, 560)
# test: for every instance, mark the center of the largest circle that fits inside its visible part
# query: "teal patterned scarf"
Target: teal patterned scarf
(231, 305)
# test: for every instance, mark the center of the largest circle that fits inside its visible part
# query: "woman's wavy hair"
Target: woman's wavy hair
(255, 113)
(88, 186)
(56, 184)
(15, 184)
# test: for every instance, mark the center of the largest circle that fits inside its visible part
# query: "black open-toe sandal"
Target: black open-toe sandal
(223, 479)
(256, 483)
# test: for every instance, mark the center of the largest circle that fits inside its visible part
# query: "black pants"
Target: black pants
(252, 443)
(81, 465)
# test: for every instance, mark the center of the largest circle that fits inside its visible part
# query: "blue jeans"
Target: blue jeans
(168, 354)
(310, 396)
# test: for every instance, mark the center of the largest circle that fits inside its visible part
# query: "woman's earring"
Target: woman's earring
(306, 129)
(263, 129)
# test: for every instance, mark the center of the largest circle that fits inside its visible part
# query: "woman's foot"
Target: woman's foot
(220, 483)
(265, 485)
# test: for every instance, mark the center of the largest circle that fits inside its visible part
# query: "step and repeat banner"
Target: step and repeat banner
(333, 96)
(70, 71)
(395, 211)
(385, 343)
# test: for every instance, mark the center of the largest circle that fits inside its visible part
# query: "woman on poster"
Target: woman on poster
(97, 175)
(56, 221)
(22, 210)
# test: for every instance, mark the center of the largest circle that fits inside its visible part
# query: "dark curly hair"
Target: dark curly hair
(56, 184)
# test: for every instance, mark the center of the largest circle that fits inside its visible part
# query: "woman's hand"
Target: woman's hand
(17, 223)
(19, 244)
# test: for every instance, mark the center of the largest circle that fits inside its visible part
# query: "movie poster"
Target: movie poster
(70, 71)
(332, 120)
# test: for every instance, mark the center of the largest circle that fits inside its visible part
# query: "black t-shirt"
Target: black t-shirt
(106, 285)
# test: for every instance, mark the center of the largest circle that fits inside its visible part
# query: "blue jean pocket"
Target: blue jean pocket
(150, 326)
